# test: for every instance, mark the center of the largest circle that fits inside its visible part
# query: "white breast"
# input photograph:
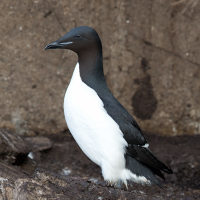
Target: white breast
(97, 134)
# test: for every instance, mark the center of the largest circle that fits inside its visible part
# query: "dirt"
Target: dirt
(181, 153)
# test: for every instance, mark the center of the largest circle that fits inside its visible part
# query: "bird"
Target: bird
(102, 127)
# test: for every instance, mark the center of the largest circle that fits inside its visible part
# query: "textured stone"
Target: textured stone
(38, 143)
(14, 185)
(150, 56)
(64, 172)
(13, 149)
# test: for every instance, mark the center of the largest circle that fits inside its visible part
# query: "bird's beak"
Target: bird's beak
(56, 45)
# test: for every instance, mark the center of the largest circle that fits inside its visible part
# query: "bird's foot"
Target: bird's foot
(118, 184)
(126, 186)
(109, 183)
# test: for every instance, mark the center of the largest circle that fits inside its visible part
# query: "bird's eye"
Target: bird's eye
(77, 36)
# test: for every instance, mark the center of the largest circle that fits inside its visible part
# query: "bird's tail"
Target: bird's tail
(140, 161)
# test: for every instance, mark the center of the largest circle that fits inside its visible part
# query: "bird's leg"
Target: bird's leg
(107, 182)
(110, 182)
(126, 186)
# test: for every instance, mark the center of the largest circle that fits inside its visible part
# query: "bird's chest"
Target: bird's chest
(97, 134)
(81, 105)
(84, 114)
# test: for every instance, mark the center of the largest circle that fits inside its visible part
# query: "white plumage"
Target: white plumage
(97, 134)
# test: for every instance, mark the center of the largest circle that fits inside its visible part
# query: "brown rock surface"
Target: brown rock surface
(45, 185)
(151, 61)
(64, 172)
(13, 149)
(38, 143)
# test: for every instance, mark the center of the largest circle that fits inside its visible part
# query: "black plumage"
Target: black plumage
(139, 159)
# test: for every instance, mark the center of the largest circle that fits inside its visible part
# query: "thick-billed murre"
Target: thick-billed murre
(101, 126)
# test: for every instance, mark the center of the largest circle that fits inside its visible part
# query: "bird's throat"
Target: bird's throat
(91, 67)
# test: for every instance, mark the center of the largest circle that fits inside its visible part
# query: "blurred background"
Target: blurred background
(151, 61)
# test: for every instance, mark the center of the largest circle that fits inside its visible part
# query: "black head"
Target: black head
(79, 39)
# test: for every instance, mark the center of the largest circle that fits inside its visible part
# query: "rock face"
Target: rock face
(151, 61)
(13, 149)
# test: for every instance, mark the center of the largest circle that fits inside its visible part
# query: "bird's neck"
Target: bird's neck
(91, 67)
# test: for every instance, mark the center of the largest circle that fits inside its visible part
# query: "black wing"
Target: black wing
(128, 126)
(134, 137)
(142, 157)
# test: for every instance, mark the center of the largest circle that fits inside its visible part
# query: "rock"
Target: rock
(45, 185)
(13, 149)
(39, 143)
(187, 170)
(50, 178)
(151, 61)
(36, 145)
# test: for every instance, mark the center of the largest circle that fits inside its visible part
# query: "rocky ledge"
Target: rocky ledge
(53, 167)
